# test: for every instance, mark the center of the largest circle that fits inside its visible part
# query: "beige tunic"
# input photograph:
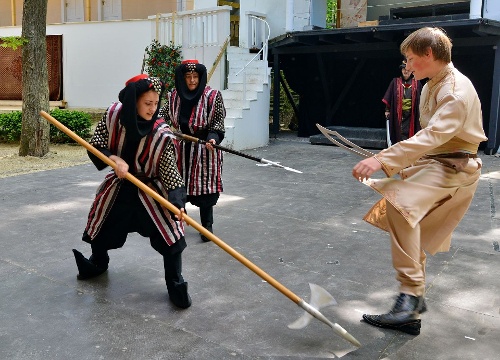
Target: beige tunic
(434, 193)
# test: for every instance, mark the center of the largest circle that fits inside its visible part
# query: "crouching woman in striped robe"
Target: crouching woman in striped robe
(132, 135)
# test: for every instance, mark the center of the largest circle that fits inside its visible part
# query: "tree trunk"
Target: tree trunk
(35, 136)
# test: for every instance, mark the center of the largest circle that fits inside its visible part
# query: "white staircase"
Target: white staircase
(246, 100)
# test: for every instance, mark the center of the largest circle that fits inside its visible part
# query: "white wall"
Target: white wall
(491, 10)
(98, 57)
(318, 15)
(276, 15)
(204, 4)
(276, 18)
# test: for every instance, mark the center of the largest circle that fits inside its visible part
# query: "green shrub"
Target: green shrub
(77, 121)
(161, 62)
(10, 126)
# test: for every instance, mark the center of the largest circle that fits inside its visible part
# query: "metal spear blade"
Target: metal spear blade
(272, 163)
(320, 298)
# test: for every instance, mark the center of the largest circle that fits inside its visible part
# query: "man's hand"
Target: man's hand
(365, 168)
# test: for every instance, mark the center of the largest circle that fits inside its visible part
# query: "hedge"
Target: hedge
(77, 121)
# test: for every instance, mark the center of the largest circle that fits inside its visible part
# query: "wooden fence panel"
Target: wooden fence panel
(11, 70)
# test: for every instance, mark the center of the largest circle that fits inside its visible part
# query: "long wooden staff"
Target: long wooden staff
(289, 294)
(239, 153)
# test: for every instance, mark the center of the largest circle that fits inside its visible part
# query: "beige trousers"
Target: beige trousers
(408, 257)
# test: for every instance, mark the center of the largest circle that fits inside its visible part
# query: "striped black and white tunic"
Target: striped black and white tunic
(201, 168)
(154, 162)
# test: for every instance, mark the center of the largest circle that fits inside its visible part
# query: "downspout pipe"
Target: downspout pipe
(87, 10)
(13, 12)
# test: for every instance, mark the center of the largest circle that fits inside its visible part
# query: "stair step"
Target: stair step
(237, 53)
(257, 87)
(238, 64)
(237, 50)
(249, 79)
(233, 112)
(372, 138)
(262, 73)
(238, 94)
(236, 104)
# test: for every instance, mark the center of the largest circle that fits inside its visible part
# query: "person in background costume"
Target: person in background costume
(198, 110)
(131, 134)
(401, 101)
(439, 173)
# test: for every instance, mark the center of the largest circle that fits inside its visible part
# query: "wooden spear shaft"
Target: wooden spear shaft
(278, 286)
(243, 260)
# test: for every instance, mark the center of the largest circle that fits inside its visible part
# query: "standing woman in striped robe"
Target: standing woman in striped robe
(131, 134)
(196, 109)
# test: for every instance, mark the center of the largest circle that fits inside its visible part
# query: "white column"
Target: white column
(476, 7)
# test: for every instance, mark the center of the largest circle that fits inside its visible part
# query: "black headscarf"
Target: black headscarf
(137, 127)
(189, 98)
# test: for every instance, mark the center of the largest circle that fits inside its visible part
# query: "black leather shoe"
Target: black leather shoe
(423, 306)
(209, 228)
(179, 296)
(87, 268)
(404, 316)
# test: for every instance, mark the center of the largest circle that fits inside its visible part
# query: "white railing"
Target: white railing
(199, 33)
(257, 26)
(194, 28)
(257, 37)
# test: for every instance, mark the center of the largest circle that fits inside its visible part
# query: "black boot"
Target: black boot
(404, 316)
(176, 286)
(207, 226)
(178, 294)
(92, 267)
(423, 306)
(207, 219)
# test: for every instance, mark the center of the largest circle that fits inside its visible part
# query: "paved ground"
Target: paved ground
(299, 228)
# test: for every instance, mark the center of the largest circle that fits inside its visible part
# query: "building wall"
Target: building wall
(99, 56)
(131, 9)
(204, 4)
(275, 16)
(95, 71)
(53, 12)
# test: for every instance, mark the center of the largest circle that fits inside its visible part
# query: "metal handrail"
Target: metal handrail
(263, 47)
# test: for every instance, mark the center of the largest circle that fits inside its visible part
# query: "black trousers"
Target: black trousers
(129, 215)
(206, 204)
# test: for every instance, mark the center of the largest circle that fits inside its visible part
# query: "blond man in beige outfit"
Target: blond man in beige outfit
(439, 173)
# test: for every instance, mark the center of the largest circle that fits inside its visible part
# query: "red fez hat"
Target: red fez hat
(190, 61)
(136, 78)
